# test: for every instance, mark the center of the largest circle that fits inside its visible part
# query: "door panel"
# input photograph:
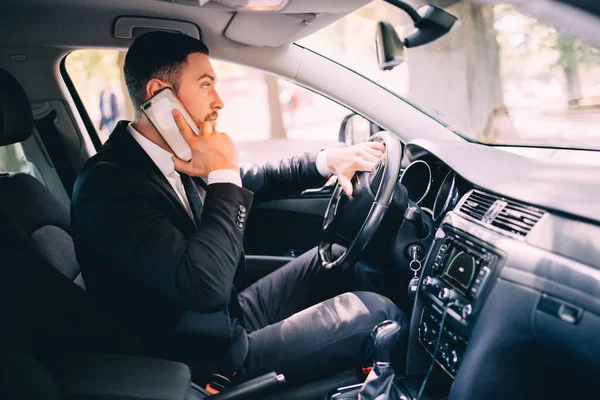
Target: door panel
(259, 266)
(285, 227)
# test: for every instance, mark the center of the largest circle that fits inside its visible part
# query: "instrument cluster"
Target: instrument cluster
(432, 185)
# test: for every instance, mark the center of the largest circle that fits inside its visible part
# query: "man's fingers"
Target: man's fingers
(375, 146)
(206, 128)
(363, 165)
(182, 166)
(374, 151)
(346, 184)
(371, 158)
(184, 128)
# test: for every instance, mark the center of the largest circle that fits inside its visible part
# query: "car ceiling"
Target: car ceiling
(86, 23)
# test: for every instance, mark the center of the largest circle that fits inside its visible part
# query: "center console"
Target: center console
(454, 280)
(454, 283)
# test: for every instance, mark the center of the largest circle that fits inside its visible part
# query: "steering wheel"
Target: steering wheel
(373, 192)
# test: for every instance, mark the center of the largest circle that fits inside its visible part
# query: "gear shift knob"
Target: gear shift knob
(385, 336)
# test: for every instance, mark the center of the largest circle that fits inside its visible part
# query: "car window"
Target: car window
(499, 76)
(13, 160)
(269, 118)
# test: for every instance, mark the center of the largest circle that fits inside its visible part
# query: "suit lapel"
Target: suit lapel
(136, 156)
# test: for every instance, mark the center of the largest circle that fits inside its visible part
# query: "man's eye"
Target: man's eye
(206, 85)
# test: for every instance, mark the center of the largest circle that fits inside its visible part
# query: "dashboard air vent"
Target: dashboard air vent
(505, 215)
(477, 204)
(517, 218)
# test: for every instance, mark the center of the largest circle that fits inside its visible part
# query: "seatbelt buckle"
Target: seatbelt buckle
(216, 383)
(366, 370)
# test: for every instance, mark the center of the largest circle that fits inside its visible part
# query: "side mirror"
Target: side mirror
(390, 49)
(356, 129)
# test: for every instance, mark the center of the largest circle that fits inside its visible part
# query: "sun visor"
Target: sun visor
(273, 29)
(251, 28)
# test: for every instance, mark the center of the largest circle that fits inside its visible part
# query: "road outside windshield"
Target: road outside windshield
(499, 77)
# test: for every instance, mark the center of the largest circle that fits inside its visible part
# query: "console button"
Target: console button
(466, 311)
(423, 331)
(453, 359)
(429, 281)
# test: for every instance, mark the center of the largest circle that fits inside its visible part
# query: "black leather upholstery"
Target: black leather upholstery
(37, 216)
(116, 377)
(92, 376)
(33, 212)
(23, 377)
(16, 119)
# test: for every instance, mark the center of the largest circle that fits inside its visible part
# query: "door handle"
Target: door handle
(324, 191)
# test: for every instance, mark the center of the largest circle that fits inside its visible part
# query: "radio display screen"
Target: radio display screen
(461, 268)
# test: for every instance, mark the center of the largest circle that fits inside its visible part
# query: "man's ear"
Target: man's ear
(153, 86)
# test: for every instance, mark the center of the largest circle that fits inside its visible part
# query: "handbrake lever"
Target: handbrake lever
(253, 389)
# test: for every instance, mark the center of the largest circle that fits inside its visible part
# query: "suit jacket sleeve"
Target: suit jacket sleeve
(115, 216)
(282, 178)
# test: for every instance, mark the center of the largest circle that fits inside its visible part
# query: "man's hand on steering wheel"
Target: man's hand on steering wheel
(347, 161)
(355, 219)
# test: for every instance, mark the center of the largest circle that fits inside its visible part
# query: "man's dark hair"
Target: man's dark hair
(158, 55)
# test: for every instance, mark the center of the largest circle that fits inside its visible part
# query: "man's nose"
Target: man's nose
(217, 103)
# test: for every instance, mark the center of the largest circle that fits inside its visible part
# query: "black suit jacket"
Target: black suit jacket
(142, 254)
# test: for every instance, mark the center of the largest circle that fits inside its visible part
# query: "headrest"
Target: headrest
(16, 118)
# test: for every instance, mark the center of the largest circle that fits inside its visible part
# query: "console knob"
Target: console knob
(466, 311)
(428, 281)
(453, 359)
(446, 294)
(423, 331)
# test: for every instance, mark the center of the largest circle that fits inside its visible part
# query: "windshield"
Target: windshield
(498, 77)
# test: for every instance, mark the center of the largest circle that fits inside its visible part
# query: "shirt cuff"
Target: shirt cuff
(322, 164)
(225, 176)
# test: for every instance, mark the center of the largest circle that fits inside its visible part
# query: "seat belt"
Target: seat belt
(54, 146)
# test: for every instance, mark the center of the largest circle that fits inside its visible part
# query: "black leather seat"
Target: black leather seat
(94, 377)
(34, 212)
(56, 342)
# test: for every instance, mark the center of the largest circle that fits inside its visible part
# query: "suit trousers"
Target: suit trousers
(308, 322)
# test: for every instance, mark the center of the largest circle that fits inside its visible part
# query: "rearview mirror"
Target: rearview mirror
(355, 129)
(390, 49)
(430, 24)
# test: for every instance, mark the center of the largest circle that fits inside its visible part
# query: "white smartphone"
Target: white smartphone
(159, 111)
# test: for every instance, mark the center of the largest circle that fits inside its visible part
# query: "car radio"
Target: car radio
(463, 264)
(455, 275)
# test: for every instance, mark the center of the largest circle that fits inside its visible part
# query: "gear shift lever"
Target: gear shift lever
(385, 336)
(380, 382)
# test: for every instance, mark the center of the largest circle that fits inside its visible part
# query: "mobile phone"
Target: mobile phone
(159, 111)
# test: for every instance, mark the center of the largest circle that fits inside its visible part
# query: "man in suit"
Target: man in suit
(163, 247)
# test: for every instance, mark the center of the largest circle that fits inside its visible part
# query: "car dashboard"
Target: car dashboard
(510, 286)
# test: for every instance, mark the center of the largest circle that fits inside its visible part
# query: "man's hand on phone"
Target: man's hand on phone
(211, 151)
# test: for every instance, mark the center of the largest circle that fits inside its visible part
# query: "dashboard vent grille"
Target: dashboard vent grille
(505, 215)
(477, 204)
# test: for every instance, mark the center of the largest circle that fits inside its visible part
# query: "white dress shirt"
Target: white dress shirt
(164, 161)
